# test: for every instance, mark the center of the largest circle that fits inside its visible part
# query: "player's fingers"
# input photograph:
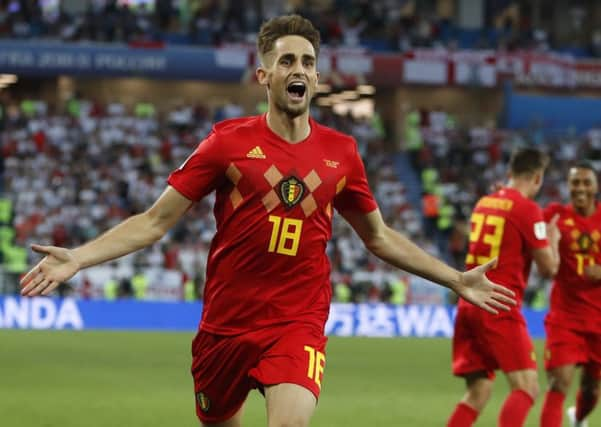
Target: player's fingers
(554, 220)
(503, 290)
(495, 303)
(52, 286)
(488, 308)
(41, 249)
(40, 287)
(504, 299)
(33, 283)
(30, 275)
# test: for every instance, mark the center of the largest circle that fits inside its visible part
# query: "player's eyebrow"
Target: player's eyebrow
(292, 56)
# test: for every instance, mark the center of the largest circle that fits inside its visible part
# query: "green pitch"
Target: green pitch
(98, 379)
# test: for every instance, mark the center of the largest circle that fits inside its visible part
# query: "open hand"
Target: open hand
(57, 266)
(477, 289)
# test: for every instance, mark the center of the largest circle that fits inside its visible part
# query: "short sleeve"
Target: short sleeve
(202, 171)
(533, 226)
(551, 210)
(355, 195)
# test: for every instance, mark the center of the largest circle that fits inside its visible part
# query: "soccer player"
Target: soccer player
(278, 178)
(507, 225)
(573, 324)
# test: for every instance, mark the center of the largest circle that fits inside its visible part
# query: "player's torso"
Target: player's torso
(275, 205)
(579, 245)
(573, 294)
(495, 234)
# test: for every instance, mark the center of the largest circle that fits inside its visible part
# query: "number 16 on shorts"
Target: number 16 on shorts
(317, 363)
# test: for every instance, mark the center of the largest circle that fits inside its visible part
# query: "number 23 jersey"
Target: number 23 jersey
(274, 202)
(509, 226)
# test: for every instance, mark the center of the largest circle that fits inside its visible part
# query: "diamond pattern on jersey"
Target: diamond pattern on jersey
(273, 176)
(271, 200)
(309, 205)
(341, 184)
(312, 180)
(234, 175)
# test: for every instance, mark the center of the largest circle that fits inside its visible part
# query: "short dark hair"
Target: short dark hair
(527, 161)
(584, 164)
(286, 25)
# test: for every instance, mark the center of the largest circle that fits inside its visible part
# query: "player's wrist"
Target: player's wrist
(76, 258)
(457, 282)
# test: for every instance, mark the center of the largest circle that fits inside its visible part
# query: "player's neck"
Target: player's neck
(524, 187)
(586, 211)
(290, 129)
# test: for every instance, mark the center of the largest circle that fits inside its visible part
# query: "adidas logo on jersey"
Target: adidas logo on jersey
(256, 153)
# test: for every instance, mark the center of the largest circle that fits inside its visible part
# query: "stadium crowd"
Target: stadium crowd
(378, 25)
(73, 172)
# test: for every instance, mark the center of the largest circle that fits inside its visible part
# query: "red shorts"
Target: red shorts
(486, 342)
(565, 346)
(226, 368)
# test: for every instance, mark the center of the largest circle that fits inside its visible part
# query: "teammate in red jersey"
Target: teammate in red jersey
(278, 178)
(573, 324)
(507, 225)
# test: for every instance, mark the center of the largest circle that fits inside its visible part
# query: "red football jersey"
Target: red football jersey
(508, 226)
(576, 300)
(274, 201)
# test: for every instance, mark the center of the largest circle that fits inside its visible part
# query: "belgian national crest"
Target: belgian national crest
(291, 191)
(585, 242)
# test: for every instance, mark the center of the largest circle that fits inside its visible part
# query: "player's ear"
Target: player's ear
(261, 76)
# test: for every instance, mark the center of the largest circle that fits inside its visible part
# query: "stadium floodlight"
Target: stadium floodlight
(8, 78)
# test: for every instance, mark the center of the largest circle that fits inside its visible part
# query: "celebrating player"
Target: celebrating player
(573, 324)
(278, 177)
(507, 225)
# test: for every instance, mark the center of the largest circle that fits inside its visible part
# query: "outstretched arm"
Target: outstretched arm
(397, 250)
(134, 233)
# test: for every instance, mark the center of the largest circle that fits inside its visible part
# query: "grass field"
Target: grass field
(93, 379)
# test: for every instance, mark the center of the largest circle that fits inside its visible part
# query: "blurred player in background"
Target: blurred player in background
(277, 179)
(507, 225)
(573, 324)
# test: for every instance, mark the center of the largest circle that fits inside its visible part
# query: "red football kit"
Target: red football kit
(573, 324)
(507, 226)
(267, 293)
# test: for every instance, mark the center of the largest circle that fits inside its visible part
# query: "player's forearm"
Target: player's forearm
(132, 234)
(396, 249)
(556, 258)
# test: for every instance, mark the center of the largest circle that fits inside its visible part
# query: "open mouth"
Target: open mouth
(296, 90)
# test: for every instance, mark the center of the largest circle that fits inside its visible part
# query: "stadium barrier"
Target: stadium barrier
(442, 67)
(372, 320)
